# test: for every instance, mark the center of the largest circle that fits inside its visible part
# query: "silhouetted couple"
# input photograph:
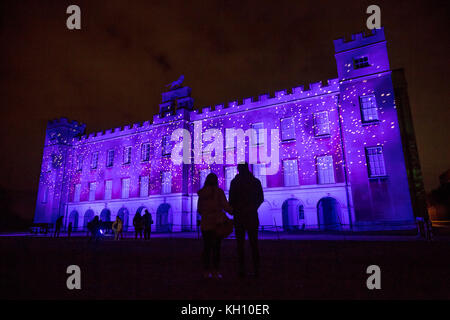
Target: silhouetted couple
(142, 223)
(245, 197)
(94, 228)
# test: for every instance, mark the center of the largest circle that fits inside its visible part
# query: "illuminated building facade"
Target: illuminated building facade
(342, 163)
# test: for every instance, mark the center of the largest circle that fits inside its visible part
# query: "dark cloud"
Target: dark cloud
(163, 62)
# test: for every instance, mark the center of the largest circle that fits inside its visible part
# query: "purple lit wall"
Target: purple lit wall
(353, 199)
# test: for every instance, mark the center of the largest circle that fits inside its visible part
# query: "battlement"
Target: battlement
(280, 96)
(359, 40)
(65, 122)
(62, 131)
(113, 133)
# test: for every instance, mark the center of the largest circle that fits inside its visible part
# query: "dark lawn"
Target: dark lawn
(165, 268)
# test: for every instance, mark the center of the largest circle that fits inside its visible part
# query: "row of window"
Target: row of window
(369, 113)
(125, 191)
(145, 156)
(361, 62)
(325, 171)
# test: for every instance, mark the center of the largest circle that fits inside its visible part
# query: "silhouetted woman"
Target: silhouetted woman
(117, 227)
(211, 206)
(138, 225)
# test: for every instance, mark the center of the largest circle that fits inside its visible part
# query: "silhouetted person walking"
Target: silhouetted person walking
(246, 195)
(148, 221)
(211, 206)
(138, 225)
(58, 225)
(69, 230)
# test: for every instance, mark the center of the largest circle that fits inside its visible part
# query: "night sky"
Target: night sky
(111, 72)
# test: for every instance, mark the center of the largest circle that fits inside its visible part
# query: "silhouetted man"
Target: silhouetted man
(148, 221)
(69, 230)
(58, 226)
(138, 225)
(246, 195)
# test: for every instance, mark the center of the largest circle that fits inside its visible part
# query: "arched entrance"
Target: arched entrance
(73, 218)
(123, 214)
(105, 218)
(88, 216)
(292, 214)
(105, 215)
(328, 211)
(164, 218)
(141, 210)
(265, 216)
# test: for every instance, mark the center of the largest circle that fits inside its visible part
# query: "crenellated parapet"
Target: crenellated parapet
(64, 122)
(359, 40)
(62, 131)
(182, 114)
(114, 133)
(297, 93)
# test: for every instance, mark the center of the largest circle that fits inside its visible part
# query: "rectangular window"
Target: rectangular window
(94, 160)
(325, 170)
(203, 174)
(80, 163)
(359, 63)
(145, 152)
(110, 158)
(287, 129)
(166, 146)
(92, 188)
(230, 173)
(321, 124)
(375, 162)
(143, 186)
(125, 188)
(259, 171)
(166, 182)
(45, 194)
(257, 135)
(108, 189)
(77, 193)
(369, 110)
(127, 155)
(290, 171)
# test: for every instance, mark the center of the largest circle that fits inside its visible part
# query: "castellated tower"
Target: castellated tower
(375, 164)
(56, 160)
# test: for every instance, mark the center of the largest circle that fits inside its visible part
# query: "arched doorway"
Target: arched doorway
(265, 216)
(105, 218)
(73, 218)
(88, 216)
(328, 211)
(105, 215)
(292, 214)
(123, 215)
(141, 210)
(164, 218)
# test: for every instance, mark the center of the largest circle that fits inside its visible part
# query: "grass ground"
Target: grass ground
(170, 268)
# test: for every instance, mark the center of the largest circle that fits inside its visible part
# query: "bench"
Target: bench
(41, 227)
